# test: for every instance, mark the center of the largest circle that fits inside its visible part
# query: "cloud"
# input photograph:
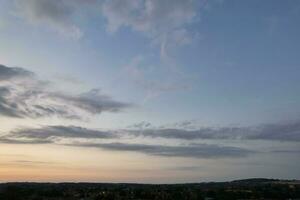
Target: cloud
(192, 151)
(151, 17)
(73, 134)
(186, 124)
(5, 107)
(32, 162)
(8, 140)
(85, 137)
(7, 73)
(141, 125)
(92, 101)
(57, 14)
(289, 151)
(48, 132)
(289, 131)
(166, 24)
(186, 134)
(23, 95)
(54, 134)
(282, 131)
(141, 74)
(163, 21)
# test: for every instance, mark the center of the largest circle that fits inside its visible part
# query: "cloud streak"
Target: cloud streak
(261, 133)
(102, 139)
(23, 95)
(289, 131)
(88, 138)
(8, 140)
(192, 151)
(48, 132)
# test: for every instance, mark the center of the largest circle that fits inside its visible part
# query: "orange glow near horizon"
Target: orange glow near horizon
(54, 163)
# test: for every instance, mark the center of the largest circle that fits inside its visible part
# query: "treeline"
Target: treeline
(244, 189)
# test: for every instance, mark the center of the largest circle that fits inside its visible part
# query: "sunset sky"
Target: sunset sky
(149, 91)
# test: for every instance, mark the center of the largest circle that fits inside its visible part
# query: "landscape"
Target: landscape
(149, 99)
(241, 189)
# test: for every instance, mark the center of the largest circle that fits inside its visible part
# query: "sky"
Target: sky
(149, 91)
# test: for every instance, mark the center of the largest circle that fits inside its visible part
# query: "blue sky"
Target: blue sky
(182, 65)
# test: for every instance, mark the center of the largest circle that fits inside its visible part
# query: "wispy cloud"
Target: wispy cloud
(151, 17)
(48, 132)
(8, 140)
(288, 132)
(284, 131)
(164, 22)
(75, 136)
(23, 95)
(139, 72)
(56, 14)
(193, 150)
(102, 139)
(32, 162)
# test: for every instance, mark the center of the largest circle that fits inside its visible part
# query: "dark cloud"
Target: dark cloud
(49, 132)
(54, 134)
(8, 140)
(289, 151)
(289, 131)
(281, 131)
(7, 73)
(173, 133)
(7, 108)
(23, 95)
(193, 150)
(93, 102)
